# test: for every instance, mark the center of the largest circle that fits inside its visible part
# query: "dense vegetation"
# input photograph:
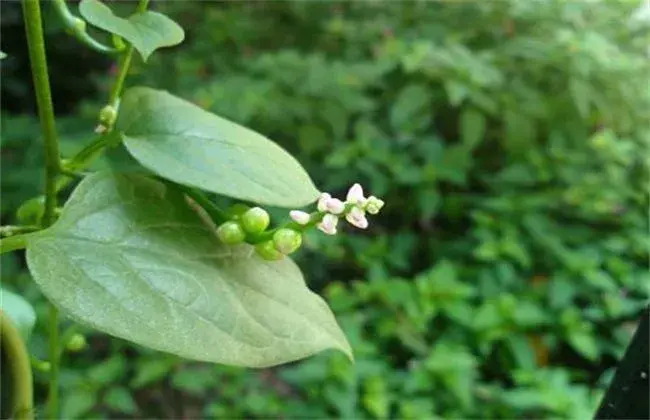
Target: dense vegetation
(510, 142)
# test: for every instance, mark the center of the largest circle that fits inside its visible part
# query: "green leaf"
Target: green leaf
(194, 380)
(412, 110)
(19, 311)
(585, 344)
(108, 371)
(472, 127)
(119, 399)
(147, 31)
(181, 142)
(77, 403)
(129, 257)
(520, 132)
(151, 370)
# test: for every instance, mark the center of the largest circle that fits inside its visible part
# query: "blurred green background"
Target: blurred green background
(510, 141)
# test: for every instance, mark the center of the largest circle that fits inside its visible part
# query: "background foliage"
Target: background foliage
(509, 140)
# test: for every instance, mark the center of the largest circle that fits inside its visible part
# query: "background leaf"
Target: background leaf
(128, 257)
(19, 310)
(147, 31)
(472, 127)
(183, 143)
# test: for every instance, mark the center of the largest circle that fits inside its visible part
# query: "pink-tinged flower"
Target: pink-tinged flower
(322, 202)
(328, 224)
(335, 206)
(355, 195)
(300, 217)
(357, 217)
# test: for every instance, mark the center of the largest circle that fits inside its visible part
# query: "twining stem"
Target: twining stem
(124, 64)
(77, 28)
(18, 367)
(38, 60)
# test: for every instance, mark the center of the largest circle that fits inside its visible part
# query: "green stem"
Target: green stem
(216, 214)
(13, 230)
(54, 358)
(19, 369)
(38, 60)
(83, 158)
(77, 28)
(124, 65)
(13, 243)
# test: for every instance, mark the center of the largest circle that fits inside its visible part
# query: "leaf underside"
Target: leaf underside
(130, 258)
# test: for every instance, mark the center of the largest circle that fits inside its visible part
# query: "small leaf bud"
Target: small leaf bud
(107, 115)
(79, 25)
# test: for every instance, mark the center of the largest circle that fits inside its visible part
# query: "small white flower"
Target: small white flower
(335, 206)
(300, 217)
(100, 129)
(328, 224)
(355, 195)
(374, 204)
(322, 202)
(357, 217)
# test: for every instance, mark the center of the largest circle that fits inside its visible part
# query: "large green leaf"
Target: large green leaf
(130, 258)
(19, 310)
(181, 142)
(147, 31)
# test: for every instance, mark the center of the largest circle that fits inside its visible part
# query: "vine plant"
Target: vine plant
(146, 255)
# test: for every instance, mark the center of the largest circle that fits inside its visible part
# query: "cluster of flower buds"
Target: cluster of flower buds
(331, 209)
(250, 224)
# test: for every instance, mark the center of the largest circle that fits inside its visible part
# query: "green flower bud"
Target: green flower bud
(107, 115)
(255, 220)
(374, 204)
(287, 240)
(267, 251)
(77, 342)
(231, 233)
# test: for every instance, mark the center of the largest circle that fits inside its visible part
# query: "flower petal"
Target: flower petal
(355, 194)
(328, 224)
(322, 202)
(300, 217)
(357, 217)
(335, 206)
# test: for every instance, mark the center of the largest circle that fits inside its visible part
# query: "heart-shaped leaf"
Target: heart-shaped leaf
(19, 311)
(130, 258)
(183, 143)
(147, 31)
